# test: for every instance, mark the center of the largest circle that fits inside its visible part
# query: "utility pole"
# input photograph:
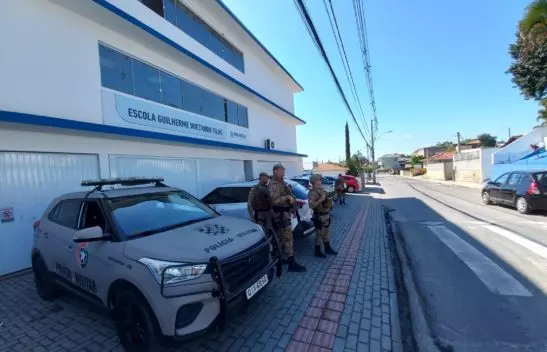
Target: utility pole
(372, 151)
(509, 132)
(459, 141)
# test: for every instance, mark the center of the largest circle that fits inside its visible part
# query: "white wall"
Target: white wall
(209, 160)
(58, 75)
(521, 147)
(486, 162)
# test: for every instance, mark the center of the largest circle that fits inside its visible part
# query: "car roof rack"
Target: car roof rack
(124, 181)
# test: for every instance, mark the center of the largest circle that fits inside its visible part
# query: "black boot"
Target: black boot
(329, 250)
(295, 267)
(318, 252)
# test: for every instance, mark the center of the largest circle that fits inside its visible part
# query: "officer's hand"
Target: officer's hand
(291, 199)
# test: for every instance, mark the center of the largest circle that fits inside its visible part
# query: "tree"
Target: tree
(487, 140)
(448, 145)
(354, 165)
(529, 54)
(416, 159)
(348, 151)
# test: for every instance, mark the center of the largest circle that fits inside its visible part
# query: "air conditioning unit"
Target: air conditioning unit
(269, 144)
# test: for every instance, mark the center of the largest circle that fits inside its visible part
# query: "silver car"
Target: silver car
(165, 264)
(231, 199)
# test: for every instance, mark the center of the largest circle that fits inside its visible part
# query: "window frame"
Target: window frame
(58, 208)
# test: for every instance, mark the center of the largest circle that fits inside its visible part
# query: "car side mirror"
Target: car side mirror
(90, 234)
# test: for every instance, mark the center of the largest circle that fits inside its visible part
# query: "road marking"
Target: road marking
(495, 278)
(524, 242)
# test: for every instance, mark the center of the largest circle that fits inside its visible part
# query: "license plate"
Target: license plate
(257, 286)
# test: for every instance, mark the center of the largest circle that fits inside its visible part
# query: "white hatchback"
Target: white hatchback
(231, 199)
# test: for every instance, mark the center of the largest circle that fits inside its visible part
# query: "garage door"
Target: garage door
(28, 183)
(216, 172)
(181, 173)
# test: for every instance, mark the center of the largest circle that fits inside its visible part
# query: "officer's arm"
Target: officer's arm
(315, 199)
(249, 203)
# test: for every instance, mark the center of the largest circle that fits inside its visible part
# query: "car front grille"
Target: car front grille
(241, 268)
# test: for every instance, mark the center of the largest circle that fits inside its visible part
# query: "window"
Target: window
(227, 52)
(170, 11)
(238, 60)
(171, 90)
(66, 213)
(154, 5)
(217, 43)
(125, 74)
(92, 216)
(502, 179)
(542, 178)
(514, 179)
(155, 213)
(116, 71)
(147, 81)
(228, 195)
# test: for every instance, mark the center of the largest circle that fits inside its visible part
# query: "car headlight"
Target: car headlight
(173, 272)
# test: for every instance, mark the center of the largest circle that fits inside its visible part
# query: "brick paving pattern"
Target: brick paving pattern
(356, 314)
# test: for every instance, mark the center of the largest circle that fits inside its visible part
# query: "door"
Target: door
(94, 258)
(231, 201)
(177, 172)
(56, 235)
(495, 187)
(509, 190)
(28, 184)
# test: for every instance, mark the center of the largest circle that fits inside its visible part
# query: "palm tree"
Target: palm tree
(533, 26)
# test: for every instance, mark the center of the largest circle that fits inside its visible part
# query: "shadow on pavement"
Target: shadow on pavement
(471, 297)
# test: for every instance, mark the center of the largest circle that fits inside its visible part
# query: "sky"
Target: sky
(438, 68)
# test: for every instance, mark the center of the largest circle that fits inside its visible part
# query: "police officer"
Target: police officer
(282, 203)
(259, 204)
(341, 189)
(321, 205)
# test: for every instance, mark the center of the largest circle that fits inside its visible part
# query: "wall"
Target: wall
(467, 166)
(440, 171)
(14, 138)
(521, 147)
(486, 162)
(42, 79)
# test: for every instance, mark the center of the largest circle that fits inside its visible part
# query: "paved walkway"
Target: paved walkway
(342, 303)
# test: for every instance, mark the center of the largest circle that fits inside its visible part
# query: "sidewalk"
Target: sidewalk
(343, 303)
(475, 185)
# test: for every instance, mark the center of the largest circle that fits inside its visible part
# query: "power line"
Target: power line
(315, 37)
(363, 41)
(343, 56)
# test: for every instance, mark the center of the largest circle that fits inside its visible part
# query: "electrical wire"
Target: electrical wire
(317, 40)
(343, 56)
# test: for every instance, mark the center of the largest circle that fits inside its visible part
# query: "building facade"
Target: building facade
(119, 88)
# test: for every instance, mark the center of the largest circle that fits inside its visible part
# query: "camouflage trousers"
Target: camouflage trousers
(322, 234)
(283, 232)
(265, 220)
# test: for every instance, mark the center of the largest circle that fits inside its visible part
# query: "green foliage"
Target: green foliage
(487, 140)
(348, 149)
(529, 54)
(416, 159)
(354, 165)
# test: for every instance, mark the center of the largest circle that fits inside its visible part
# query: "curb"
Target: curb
(417, 334)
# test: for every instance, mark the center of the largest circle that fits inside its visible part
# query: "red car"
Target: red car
(352, 185)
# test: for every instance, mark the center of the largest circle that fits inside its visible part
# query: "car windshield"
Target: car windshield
(153, 213)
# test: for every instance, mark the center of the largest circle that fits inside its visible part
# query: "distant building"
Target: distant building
(427, 152)
(330, 169)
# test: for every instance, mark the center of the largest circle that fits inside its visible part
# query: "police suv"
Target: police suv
(164, 263)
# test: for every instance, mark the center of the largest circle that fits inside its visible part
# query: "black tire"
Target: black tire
(522, 205)
(486, 198)
(43, 279)
(136, 325)
(351, 189)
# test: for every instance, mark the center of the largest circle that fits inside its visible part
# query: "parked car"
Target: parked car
(164, 263)
(231, 199)
(352, 184)
(524, 190)
(305, 181)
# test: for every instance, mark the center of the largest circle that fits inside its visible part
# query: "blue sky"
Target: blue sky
(438, 68)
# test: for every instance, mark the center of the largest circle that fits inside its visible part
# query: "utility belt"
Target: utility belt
(282, 209)
(317, 221)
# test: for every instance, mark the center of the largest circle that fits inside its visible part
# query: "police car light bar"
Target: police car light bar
(127, 181)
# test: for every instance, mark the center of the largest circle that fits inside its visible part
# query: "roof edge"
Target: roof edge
(248, 31)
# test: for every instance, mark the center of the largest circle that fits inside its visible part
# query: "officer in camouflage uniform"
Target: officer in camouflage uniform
(282, 204)
(321, 205)
(259, 204)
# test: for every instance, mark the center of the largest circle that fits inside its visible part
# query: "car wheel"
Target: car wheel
(486, 198)
(135, 323)
(351, 189)
(43, 280)
(522, 206)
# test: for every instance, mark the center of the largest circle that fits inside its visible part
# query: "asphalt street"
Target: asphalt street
(479, 272)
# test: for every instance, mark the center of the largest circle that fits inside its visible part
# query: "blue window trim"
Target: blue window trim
(117, 11)
(46, 121)
(227, 9)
